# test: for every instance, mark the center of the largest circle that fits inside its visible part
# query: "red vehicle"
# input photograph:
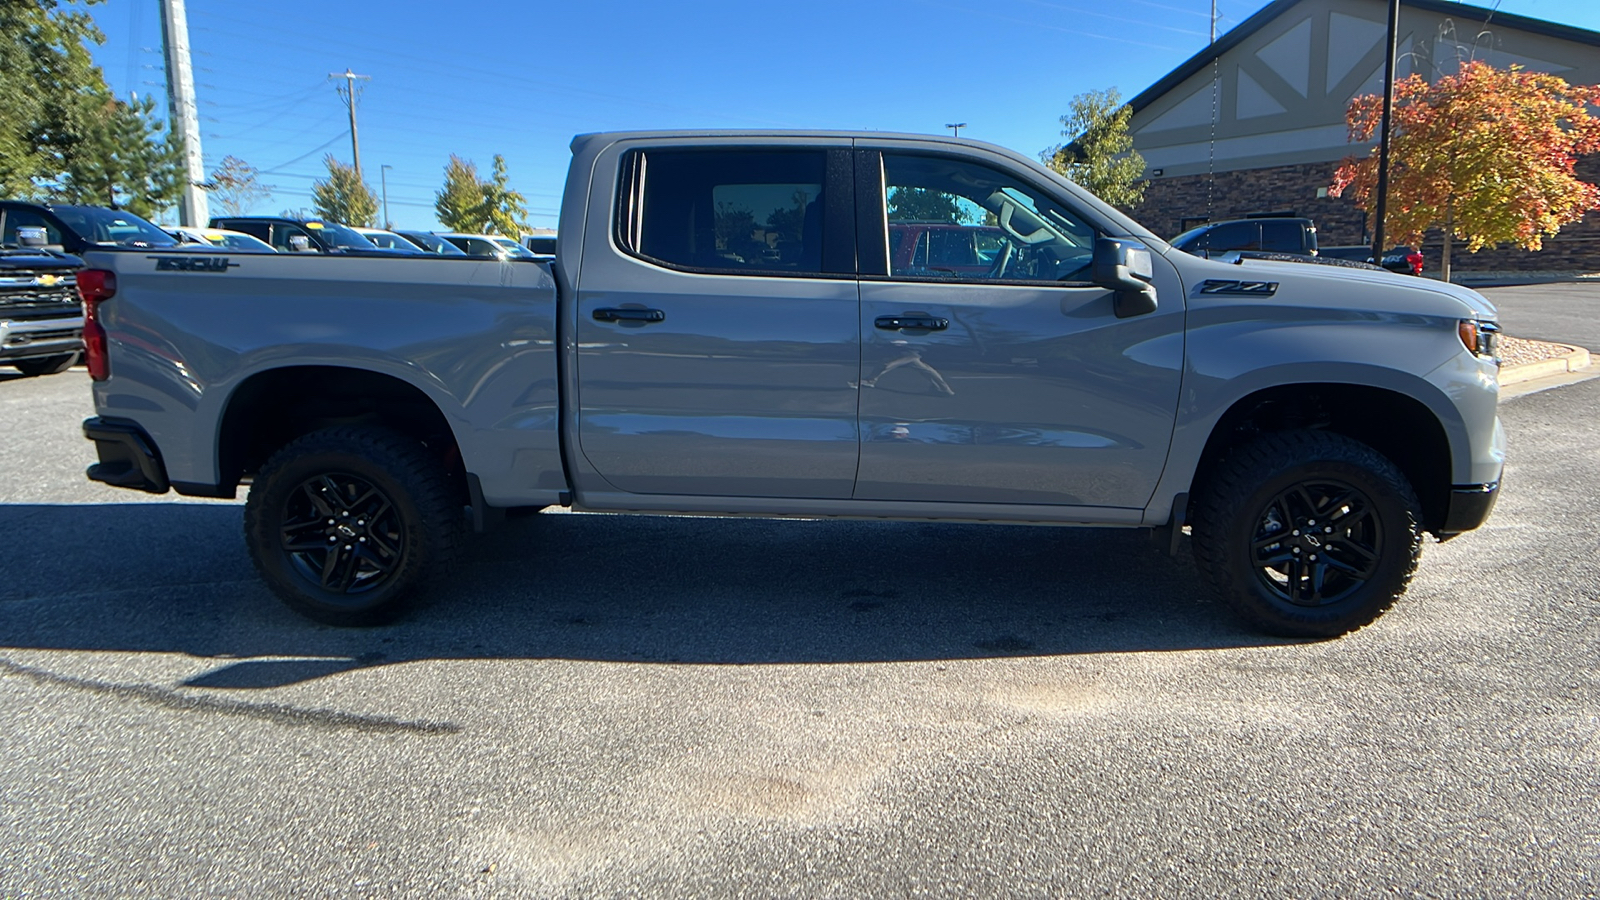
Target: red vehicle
(942, 247)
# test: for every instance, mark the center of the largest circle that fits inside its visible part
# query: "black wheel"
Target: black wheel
(46, 365)
(1307, 533)
(344, 523)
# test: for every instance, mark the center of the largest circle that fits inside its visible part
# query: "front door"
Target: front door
(718, 337)
(992, 370)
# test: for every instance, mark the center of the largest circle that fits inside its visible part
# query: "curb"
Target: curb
(1573, 360)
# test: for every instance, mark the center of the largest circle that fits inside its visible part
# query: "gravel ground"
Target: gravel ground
(1516, 351)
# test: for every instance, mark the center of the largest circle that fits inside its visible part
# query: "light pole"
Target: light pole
(955, 127)
(383, 173)
(1378, 239)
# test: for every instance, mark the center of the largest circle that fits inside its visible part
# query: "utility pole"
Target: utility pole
(383, 173)
(1383, 143)
(955, 127)
(349, 94)
(1213, 21)
(192, 206)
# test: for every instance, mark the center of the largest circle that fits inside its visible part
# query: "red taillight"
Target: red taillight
(95, 286)
(1415, 260)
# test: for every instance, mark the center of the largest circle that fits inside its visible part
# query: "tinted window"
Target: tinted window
(259, 230)
(26, 218)
(111, 226)
(1233, 236)
(1282, 237)
(745, 210)
(953, 219)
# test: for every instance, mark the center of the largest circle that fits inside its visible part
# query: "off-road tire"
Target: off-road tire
(377, 566)
(1237, 517)
(46, 365)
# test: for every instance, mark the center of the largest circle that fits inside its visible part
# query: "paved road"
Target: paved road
(1565, 313)
(604, 705)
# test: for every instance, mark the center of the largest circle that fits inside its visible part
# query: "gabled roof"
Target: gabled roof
(1277, 8)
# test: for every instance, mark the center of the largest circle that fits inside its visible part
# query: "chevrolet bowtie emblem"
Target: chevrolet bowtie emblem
(47, 280)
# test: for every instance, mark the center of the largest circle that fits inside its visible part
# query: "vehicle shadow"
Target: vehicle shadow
(175, 578)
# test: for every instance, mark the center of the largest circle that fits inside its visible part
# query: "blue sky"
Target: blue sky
(482, 77)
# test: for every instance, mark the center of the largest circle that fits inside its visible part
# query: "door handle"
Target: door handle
(922, 323)
(628, 314)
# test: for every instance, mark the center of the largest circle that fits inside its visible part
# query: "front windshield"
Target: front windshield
(433, 243)
(512, 249)
(112, 227)
(339, 237)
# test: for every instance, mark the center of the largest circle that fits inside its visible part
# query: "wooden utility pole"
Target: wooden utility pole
(350, 94)
(181, 107)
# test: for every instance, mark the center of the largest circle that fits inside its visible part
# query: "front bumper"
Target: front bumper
(1470, 505)
(35, 338)
(128, 458)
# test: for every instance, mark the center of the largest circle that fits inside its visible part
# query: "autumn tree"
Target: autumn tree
(1486, 154)
(344, 197)
(236, 186)
(470, 204)
(1099, 155)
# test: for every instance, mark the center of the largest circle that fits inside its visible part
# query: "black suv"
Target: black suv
(74, 229)
(289, 235)
(1274, 234)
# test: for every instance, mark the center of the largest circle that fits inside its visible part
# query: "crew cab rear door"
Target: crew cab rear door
(718, 340)
(993, 371)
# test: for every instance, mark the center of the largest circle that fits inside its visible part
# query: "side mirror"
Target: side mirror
(32, 236)
(1127, 269)
(299, 243)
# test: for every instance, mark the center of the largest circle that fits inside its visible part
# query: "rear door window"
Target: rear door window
(1282, 237)
(735, 210)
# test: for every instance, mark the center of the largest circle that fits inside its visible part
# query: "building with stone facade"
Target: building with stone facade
(1255, 123)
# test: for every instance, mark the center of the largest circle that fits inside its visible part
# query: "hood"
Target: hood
(30, 258)
(1338, 286)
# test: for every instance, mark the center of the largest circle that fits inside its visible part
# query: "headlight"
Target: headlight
(1482, 338)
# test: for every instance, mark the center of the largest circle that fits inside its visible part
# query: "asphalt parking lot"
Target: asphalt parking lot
(621, 706)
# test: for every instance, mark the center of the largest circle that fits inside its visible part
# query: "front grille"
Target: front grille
(24, 338)
(22, 296)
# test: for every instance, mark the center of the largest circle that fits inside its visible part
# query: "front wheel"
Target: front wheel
(345, 523)
(46, 365)
(1307, 533)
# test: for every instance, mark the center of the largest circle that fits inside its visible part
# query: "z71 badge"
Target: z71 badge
(193, 263)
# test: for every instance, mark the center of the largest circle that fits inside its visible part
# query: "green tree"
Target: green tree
(1485, 154)
(1099, 155)
(63, 136)
(505, 211)
(459, 203)
(914, 204)
(344, 197)
(236, 186)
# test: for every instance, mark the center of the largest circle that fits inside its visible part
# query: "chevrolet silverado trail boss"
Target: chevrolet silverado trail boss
(725, 331)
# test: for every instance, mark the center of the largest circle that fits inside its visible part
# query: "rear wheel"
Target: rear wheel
(1308, 533)
(345, 523)
(46, 365)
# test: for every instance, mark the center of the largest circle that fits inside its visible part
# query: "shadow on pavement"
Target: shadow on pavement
(175, 578)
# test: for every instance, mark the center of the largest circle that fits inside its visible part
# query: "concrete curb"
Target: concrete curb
(1573, 360)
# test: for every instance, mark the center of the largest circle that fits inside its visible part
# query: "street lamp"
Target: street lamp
(1378, 239)
(955, 127)
(383, 173)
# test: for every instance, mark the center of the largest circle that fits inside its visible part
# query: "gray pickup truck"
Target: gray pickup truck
(728, 328)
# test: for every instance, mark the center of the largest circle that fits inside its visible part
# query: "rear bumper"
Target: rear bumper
(128, 458)
(35, 338)
(1470, 505)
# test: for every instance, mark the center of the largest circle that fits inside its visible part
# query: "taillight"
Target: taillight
(95, 286)
(1414, 258)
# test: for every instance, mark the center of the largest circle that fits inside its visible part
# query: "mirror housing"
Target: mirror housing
(1126, 269)
(32, 236)
(299, 243)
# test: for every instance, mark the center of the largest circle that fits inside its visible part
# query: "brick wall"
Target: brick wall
(1339, 222)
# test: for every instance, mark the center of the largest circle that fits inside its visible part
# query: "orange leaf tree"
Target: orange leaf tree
(1485, 154)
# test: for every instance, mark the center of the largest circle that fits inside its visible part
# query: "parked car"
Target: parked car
(935, 247)
(220, 237)
(542, 244)
(428, 242)
(1310, 422)
(73, 229)
(1405, 260)
(490, 246)
(288, 235)
(1286, 234)
(41, 320)
(387, 240)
